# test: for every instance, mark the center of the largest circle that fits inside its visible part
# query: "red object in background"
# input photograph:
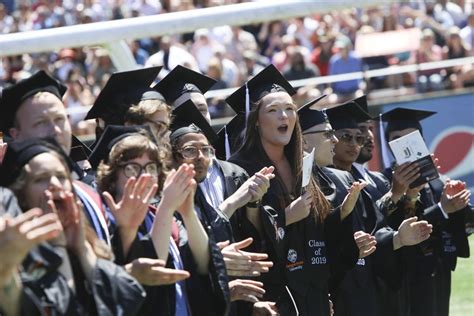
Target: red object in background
(452, 149)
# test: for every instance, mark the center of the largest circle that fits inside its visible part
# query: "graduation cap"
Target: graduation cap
(362, 102)
(79, 150)
(402, 118)
(186, 115)
(229, 137)
(20, 152)
(13, 96)
(182, 80)
(122, 90)
(347, 115)
(310, 117)
(111, 136)
(267, 81)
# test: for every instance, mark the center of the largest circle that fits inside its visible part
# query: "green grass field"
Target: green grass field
(462, 295)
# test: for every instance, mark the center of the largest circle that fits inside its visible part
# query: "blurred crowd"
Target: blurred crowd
(318, 45)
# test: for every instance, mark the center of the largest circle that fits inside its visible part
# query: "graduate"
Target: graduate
(357, 293)
(33, 108)
(444, 205)
(273, 138)
(75, 261)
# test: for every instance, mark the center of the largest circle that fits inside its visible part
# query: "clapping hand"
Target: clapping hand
(242, 263)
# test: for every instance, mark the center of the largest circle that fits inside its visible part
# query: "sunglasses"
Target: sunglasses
(349, 138)
(328, 133)
(133, 169)
(192, 152)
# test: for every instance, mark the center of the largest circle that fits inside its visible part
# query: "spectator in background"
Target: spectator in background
(298, 68)
(101, 67)
(302, 29)
(238, 41)
(432, 79)
(270, 38)
(467, 33)
(449, 12)
(251, 66)
(230, 72)
(139, 53)
(203, 48)
(321, 55)
(171, 55)
(6, 20)
(345, 61)
(217, 106)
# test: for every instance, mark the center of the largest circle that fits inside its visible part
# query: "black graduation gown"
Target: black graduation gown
(431, 262)
(112, 291)
(356, 294)
(273, 239)
(45, 290)
(207, 294)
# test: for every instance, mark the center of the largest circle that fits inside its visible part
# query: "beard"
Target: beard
(364, 156)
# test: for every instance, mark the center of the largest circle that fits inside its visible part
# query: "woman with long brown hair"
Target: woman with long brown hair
(290, 226)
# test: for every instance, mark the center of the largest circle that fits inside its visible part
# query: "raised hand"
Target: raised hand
(70, 215)
(242, 263)
(456, 202)
(20, 234)
(250, 191)
(131, 210)
(351, 198)
(246, 290)
(178, 185)
(299, 208)
(365, 242)
(152, 272)
(410, 232)
(402, 177)
(452, 187)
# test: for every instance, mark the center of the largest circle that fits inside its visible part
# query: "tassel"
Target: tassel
(384, 152)
(247, 103)
(227, 144)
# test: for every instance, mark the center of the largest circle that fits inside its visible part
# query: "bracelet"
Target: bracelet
(253, 204)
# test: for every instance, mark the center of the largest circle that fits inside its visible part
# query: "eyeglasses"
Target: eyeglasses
(349, 138)
(328, 133)
(160, 127)
(192, 152)
(133, 169)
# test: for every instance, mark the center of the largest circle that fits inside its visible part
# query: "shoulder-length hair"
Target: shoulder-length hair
(293, 152)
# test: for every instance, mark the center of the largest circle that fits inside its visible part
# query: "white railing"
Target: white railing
(392, 70)
(111, 34)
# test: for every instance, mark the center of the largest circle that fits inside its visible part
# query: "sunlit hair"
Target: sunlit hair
(140, 113)
(294, 153)
(99, 247)
(131, 147)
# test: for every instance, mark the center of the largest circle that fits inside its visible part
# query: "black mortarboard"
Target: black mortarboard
(233, 131)
(185, 115)
(183, 80)
(122, 90)
(403, 118)
(310, 117)
(20, 152)
(79, 150)
(112, 135)
(362, 102)
(266, 81)
(347, 115)
(13, 96)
